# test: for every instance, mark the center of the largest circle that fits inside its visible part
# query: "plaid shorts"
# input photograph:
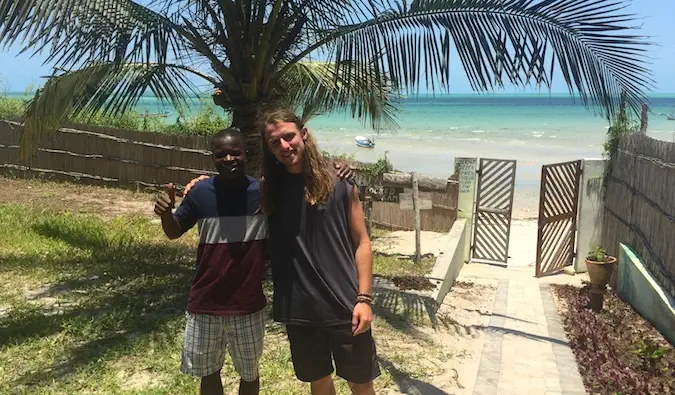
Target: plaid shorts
(207, 337)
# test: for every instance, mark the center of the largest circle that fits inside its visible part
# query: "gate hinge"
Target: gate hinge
(574, 255)
(478, 172)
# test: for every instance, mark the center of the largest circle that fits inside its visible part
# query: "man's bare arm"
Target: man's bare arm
(163, 206)
(364, 252)
(172, 228)
(363, 314)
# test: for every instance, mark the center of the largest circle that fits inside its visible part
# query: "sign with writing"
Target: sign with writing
(406, 200)
(466, 167)
(383, 194)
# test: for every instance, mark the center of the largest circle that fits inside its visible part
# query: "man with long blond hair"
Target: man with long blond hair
(321, 260)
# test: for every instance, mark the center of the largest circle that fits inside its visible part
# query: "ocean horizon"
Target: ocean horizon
(534, 129)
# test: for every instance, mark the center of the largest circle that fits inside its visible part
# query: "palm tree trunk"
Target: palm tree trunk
(245, 118)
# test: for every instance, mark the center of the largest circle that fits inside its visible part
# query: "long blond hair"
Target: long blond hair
(319, 181)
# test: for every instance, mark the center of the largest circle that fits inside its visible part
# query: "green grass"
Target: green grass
(89, 305)
(393, 266)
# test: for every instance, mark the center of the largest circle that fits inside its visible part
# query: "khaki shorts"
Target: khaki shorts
(207, 337)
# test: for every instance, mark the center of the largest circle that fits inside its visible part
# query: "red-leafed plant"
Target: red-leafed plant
(618, 351)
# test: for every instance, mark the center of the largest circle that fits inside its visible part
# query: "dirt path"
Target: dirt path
(61, 196)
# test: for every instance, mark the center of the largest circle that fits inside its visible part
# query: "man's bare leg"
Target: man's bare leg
(211, 385)
(362, 389)
(249, 387)
(323, 386)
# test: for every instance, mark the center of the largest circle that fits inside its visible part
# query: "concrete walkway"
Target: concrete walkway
(526, 350)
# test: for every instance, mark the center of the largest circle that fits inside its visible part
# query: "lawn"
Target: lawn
(95, 304)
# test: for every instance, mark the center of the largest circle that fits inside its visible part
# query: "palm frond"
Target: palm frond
(591, 42)
(324, 87)
(107, 88)
(76, 32)
(326, 15)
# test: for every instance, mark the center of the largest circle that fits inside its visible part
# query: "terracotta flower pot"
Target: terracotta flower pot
(600, 272)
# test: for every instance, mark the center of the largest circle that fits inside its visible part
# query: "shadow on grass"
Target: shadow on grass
(114, 295)
(407, 384)
(404, 310)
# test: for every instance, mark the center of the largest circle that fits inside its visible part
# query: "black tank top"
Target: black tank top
(312, 253)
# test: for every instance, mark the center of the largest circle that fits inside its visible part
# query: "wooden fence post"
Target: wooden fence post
(644, 118)
(418, 222)
(370, 217)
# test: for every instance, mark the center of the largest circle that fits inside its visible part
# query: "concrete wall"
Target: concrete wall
(637, 287)
(451, 260)
(591, 210)
(466, 175)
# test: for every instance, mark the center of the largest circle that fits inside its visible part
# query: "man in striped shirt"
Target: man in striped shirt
(226, 301)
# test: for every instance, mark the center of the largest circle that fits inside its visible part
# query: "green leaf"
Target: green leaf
(591, 42)
(76, 32)
(322, 87)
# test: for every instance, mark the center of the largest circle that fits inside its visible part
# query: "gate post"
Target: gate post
(591, 210)
(466, 171)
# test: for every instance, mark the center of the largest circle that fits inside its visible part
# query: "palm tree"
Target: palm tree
(321, 55)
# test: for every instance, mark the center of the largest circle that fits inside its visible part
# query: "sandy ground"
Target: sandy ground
(525, 204)
(460, 332)
(522, 243)
(467, 307)
(403, 243)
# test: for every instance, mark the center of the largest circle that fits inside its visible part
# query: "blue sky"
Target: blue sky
(656, 19)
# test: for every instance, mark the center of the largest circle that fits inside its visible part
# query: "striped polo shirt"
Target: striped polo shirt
(232, 243)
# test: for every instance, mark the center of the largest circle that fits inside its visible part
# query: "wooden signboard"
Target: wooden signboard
(404, 189)
(383, 194)
(405, 200)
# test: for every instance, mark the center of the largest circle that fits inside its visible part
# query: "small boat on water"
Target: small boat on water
(671, 116)
(364, 142)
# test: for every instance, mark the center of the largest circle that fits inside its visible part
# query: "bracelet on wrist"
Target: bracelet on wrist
(363, 299)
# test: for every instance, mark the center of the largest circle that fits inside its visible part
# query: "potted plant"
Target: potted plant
(600, 266)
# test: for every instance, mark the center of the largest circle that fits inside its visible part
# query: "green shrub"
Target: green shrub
(11, 108)
(205, 122)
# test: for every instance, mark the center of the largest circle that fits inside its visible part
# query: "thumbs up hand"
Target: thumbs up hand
(166, 201)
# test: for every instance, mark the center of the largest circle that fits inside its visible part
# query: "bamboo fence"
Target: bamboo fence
(124, 158)
(439, 219)
(640, 201)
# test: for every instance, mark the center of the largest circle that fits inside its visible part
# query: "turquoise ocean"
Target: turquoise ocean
(534, 129)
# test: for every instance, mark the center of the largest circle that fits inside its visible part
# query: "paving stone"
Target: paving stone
(553, 384)
(526, 350)
(481, 389)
